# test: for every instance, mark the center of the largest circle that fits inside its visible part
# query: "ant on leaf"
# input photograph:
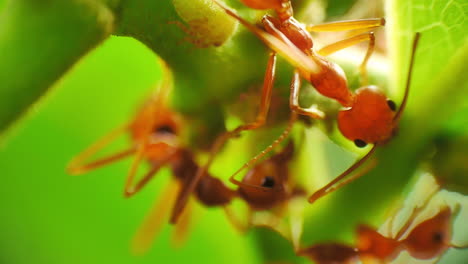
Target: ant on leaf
(426, 240)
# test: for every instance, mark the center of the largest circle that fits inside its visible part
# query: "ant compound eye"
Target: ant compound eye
(164, 129)
(268, 182)
(438, 237)
(391, 105)
(360, 143)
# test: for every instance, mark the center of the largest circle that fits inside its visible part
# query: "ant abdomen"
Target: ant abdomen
(431, 237)
(212, 192)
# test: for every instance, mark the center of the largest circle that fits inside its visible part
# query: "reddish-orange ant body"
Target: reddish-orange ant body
(156, 137)
(271, 174)
(367, 117)
(293, 41)
(427, 240)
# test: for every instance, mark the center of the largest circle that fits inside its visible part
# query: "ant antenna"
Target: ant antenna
(330, 186)
(254, 160)
(408, 80)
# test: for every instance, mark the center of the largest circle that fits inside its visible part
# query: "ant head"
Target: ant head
(263, 4)
(370, 119)
(159, 129)
(431, 237)
(262, 187)
(329, 253)
(373, 244)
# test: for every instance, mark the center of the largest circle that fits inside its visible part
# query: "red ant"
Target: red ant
(427, 240)
(271, 174)
(155, 134)
(294, 42)
(367, 117)
(156, 137)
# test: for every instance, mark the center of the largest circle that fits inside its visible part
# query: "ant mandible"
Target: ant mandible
(429, 239)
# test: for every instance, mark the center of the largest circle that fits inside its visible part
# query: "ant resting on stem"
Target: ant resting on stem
(427, 240)
(367, 115)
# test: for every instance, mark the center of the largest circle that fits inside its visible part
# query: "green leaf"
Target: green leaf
(39, 42)
(438, 87)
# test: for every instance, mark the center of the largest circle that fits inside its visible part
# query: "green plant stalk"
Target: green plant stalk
(208, 78)
(39, 42)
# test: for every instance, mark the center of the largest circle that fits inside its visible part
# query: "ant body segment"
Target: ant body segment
(155, 135)
(428, 239)
(291, 39)
(211, 192)
(367, 115)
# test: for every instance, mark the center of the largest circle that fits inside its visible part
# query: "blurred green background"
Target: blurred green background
(51, 217)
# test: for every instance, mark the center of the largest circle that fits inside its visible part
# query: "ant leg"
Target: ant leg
(340, 181)
(252, 161)
(180, 232)
(129, 188)
(234, 220)
(154, 220)
(348, 25)
(78, 164)
(294, 100)
(259, 121)
(327, 50)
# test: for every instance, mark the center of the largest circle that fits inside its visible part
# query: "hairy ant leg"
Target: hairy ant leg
(220, 141)
(341, 180)
(255, 159)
